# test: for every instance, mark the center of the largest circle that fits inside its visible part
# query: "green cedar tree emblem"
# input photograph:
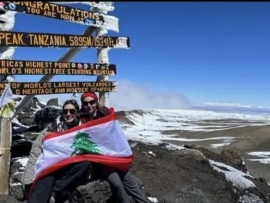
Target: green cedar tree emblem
(83, 145)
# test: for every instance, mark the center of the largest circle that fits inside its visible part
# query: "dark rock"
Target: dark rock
(8, 199)
(17, 137)
(37, 103)
(45, 116)
(26, 136)
(30, 135)
(163, 144)
(18, 128)
(234, 159)
(34, 128)
(185, 176)
(17, 99)
(186, 194)
(53, 102)
(26, 116)
(14, 168)
(226, 156)
(21, 148)
(122, 117)
(16, 177)
(16, 191)
(96, 191)
(189, 146)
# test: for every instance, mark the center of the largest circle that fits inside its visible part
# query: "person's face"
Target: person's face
(89, 104)
(69, 113)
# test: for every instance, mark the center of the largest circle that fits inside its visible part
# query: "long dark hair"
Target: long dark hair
(73, 102)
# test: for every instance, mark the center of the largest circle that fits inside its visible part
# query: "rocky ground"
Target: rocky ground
(190, 175)
(245, 140)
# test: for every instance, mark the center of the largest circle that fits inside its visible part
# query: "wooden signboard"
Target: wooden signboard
(25, 39)
(65, 13)
(104, 5)
(22, 67)
(38, 88)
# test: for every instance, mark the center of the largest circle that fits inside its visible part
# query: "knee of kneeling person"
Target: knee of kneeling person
(115, 183)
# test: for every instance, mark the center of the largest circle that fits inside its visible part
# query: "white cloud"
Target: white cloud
(133, 96)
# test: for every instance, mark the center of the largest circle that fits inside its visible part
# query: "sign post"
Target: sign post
(71, 53)
(99, 23)
(7, 19)
(103, 58)
(6, 137)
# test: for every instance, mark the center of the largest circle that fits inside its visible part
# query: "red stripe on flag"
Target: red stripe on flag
(91, 123)
(120, 163)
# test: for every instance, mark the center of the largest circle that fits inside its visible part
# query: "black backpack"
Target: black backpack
(45, 116)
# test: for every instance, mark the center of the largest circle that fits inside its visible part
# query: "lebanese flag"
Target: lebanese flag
(102, 141)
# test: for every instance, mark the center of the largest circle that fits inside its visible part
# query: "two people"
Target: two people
(63, 182)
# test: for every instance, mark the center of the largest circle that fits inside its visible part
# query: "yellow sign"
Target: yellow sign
(24, 39)
(38, 88)
(20, 67)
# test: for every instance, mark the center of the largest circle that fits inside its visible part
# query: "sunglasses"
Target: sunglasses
(85, 103)
(71, 111)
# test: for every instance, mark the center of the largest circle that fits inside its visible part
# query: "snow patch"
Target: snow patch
(35, 109)
(219, 145)
(19, 127)
(16, 121)
(174, 147)
(15, 184)
(152, 199)
(21, 160)
(151, 153)
(195, 140)
(260, 154)
(55, 107)
(238, 178)
(43, 103)
(263, 157)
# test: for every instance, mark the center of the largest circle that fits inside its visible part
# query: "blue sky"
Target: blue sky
(210, 52)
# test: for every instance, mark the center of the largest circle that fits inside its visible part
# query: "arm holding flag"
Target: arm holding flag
(36, 150)
(57, 182)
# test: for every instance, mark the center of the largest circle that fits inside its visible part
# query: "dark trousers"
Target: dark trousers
(122, 184)
(62, 183)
